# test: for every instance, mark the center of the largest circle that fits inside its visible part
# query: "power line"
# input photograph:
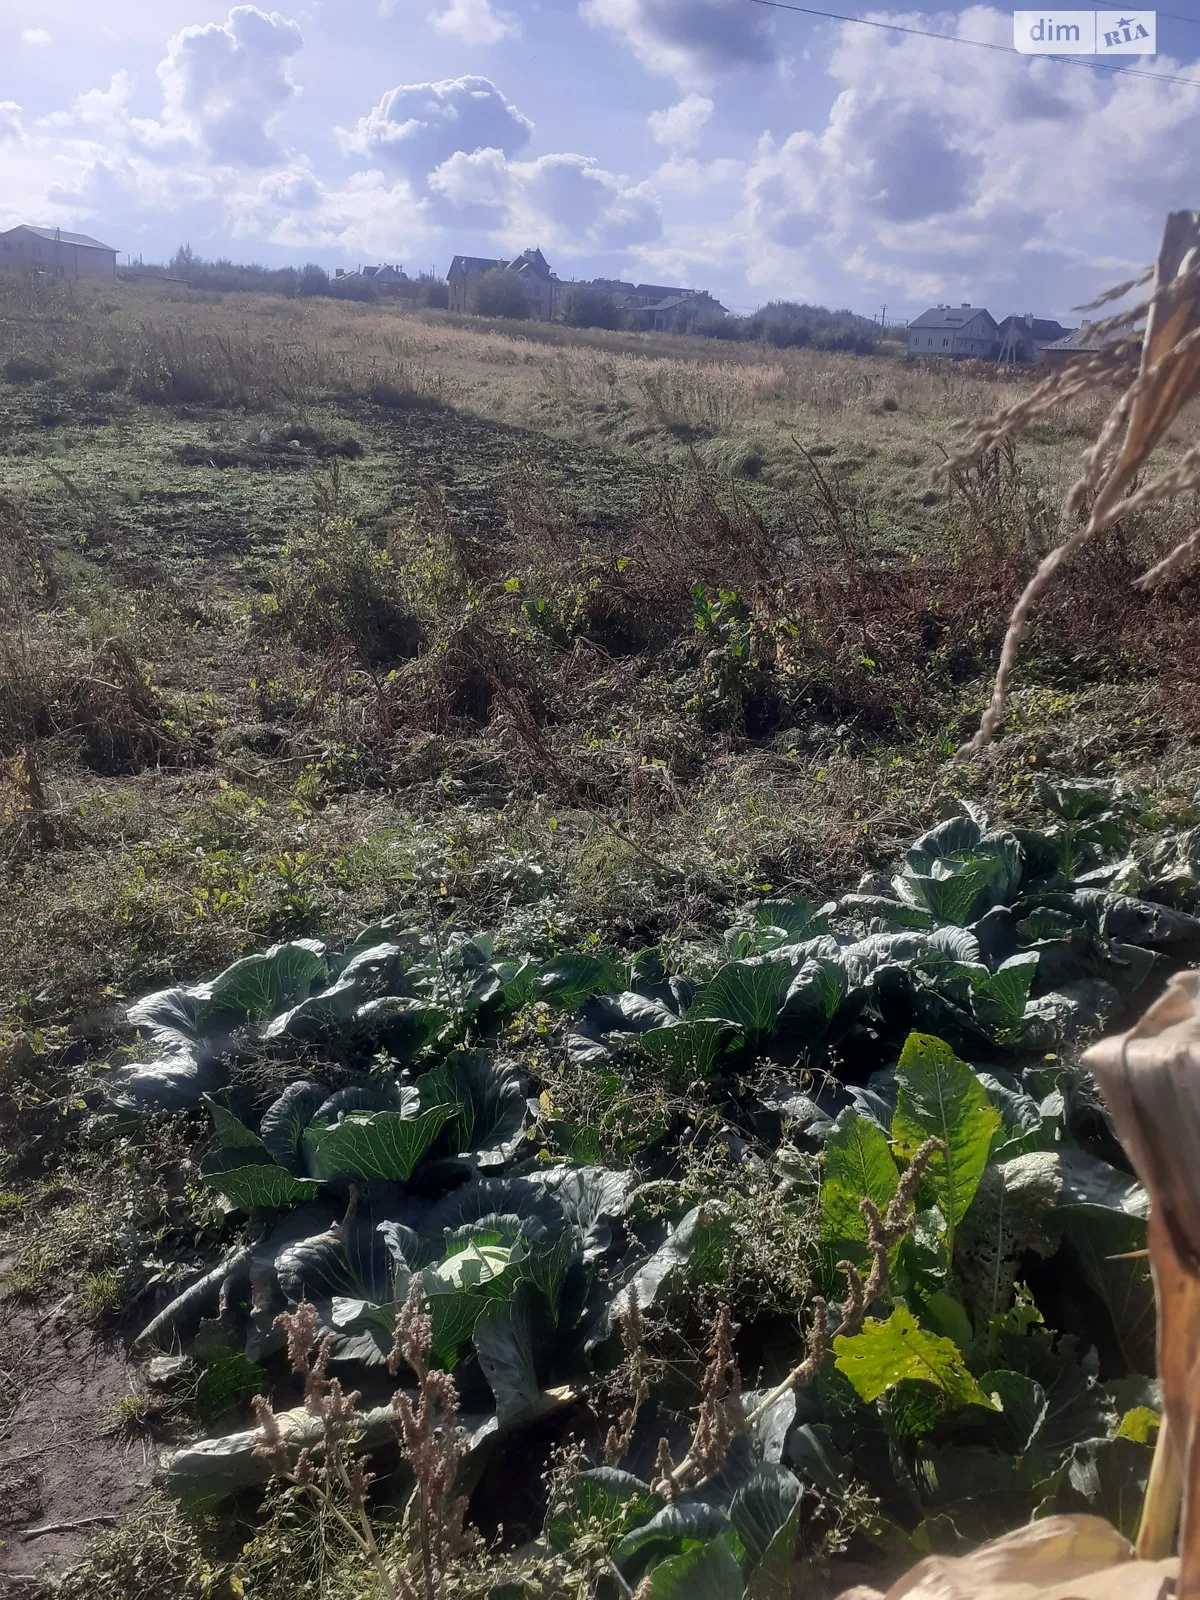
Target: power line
(979, 44)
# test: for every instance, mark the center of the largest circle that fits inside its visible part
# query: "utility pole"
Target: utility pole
(883, 318)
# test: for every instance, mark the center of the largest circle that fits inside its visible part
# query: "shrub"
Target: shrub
(25, 369)
(337, 584)
(313, 279)
(499, 294)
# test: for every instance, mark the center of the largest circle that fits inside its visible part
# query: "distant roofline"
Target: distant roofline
(61, 236)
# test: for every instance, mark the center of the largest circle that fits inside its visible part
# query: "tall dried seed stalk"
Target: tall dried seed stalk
(1157, 385)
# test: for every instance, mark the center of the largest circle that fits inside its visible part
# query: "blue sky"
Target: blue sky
(717, 143)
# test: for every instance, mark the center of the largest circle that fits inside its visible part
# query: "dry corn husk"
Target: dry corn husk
(1157, 384)
(1060, 1558)
(1150, 1079)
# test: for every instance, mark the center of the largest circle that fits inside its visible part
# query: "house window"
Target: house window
(945, 342)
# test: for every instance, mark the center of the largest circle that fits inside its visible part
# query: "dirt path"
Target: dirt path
(62, 1461)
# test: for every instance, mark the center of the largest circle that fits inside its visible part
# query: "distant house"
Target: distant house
(960, 332)
(25, 249)
(1024, 338)
(673, 310)
(540, 285)
(1079, 342)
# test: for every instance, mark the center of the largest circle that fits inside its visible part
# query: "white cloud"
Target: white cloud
(564, 201)
(680, 126)
(960, 174)
(226, 84)
(36, 37)
(474, 22)
(682, 174)
(10, 121)
(693, 41)
(418, 126)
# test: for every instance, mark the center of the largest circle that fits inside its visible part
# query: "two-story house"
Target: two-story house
(531, 269)
(961, 332)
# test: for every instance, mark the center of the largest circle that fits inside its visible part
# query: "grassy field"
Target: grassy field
(314, 613)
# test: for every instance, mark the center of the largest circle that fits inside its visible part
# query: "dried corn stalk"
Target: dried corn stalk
(1060, 1558)
(1158, 384)
(1150, 1078)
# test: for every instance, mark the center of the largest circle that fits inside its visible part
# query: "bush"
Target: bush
(499, 294)
(435, 292)
(25, 369)
(313, 279)
(337, 584)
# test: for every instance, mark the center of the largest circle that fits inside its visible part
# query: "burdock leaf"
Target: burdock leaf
(858, 1165)
(886, 1353)
(940, 1097)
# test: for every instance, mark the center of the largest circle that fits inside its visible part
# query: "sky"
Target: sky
(720, 144)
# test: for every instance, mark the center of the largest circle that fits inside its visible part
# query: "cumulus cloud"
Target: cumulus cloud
(226, 84)
(567, 201)
(10, 121)
(692, 41)
(292, 189)
(680, 126)
(931, 175)
(38, 38)
(418, 126)
(474, 22)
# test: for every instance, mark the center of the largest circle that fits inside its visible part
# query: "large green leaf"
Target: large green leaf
(955, 891)
(1109, 1244)
(387, 1144)
(403, 1026)
(1012, 1214)
(486, 1100)
(858, 1165)
(569, 980)
(887, 1353)
(761, 1508)
(746, 993)
(998, 1000)
(1108, 1478)
(603, 1500)
(708, 1573)
(669, 1531)
(260, 986)
(687, 1051)
(772, 923)
(505, 1340)
(940, 1097)
(286, 1124)
(1024, 1408)
(254, 1187)
(815, 996)
(694, 1251)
